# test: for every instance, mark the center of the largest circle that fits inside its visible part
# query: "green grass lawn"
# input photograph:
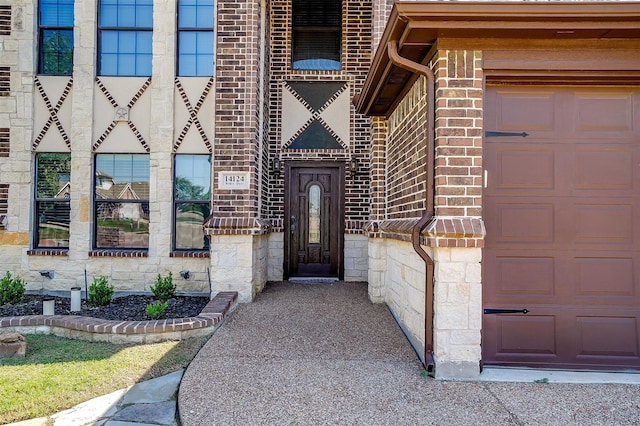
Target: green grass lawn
(59, 373)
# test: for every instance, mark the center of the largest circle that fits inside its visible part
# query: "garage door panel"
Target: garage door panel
(604, 169)
(598, 113)
(511, 117)
(526, 334)
(525, 276)
(606, 277)
(525, 169)
(607, 337)
(539, 219)
(604, 223)
(561, 209)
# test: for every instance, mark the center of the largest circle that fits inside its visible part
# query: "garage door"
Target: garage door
(562, 211)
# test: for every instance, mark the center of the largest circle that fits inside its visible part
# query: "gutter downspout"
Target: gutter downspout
(429, 214)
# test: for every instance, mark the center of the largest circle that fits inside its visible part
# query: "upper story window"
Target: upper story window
(195, 37)
(121, 201)
(52, 213)
(125, 34)
(55, 23)
(317, 34)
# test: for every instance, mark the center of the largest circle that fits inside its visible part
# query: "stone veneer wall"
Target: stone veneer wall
(17, 114)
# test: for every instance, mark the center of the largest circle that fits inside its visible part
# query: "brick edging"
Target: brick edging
(100, 329)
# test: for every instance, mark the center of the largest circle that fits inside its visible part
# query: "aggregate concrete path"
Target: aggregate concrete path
(317, 354)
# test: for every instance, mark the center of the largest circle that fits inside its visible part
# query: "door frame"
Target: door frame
(288, 167)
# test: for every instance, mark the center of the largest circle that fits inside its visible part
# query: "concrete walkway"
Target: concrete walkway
(317, 354)
(148, 403)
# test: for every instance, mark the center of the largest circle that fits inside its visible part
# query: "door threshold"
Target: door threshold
(313, 280)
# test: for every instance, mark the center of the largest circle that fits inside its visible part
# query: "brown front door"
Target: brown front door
(314, 220)
(562, 212)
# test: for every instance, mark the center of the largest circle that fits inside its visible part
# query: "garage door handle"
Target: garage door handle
(506, 311)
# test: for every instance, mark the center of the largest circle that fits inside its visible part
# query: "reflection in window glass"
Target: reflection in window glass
(122, 201)
(52, 200)
(55, 47)
(314, 214)
(192, 195)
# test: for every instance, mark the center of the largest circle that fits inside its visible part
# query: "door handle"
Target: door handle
(292, 222)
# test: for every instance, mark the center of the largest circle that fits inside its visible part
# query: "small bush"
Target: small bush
(156, 309)
(100, 291)
(11, 289)
(164, 289)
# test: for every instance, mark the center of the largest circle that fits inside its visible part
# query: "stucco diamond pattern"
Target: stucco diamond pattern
(315, 115)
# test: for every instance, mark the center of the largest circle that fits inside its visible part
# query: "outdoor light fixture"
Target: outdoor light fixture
(185, 274)
(47, 274)
(353, 166)
(276, 165)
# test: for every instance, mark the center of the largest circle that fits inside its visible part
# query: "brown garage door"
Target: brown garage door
(562, 212)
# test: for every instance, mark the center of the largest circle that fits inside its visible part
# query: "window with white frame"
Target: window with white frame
(195, 37)
(191, 200)
(316, 35)
(55, 42)
(52, 207)
(121, 201)
(125, 29)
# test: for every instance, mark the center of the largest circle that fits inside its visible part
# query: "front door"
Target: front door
(314, 220)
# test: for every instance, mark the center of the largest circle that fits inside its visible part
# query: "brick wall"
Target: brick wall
(458, 170)
(407, 155)
(5, 20)
(236, 147)
(5, 81)
(4, 142)
(356, 58)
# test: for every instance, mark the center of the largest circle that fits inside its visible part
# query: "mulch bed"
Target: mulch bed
(125, 308)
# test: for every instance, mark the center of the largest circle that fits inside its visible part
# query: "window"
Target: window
(126, 29)
(55, 21)
(316, 35)
(195, 37)
(52, 213)
(191, 195)
(121, 199)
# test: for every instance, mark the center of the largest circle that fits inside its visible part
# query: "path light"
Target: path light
(48, 305)
(75, 299)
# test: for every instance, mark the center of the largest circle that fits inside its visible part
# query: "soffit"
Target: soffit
(416, 26)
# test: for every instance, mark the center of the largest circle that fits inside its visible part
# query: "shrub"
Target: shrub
(100, 291)
(11, 289)
(164, 289)
(156, 309)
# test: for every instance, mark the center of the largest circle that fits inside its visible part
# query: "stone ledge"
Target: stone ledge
(97, 329)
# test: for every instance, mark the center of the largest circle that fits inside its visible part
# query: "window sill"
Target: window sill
(118, 253)
(190, 253)
(48, 252)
